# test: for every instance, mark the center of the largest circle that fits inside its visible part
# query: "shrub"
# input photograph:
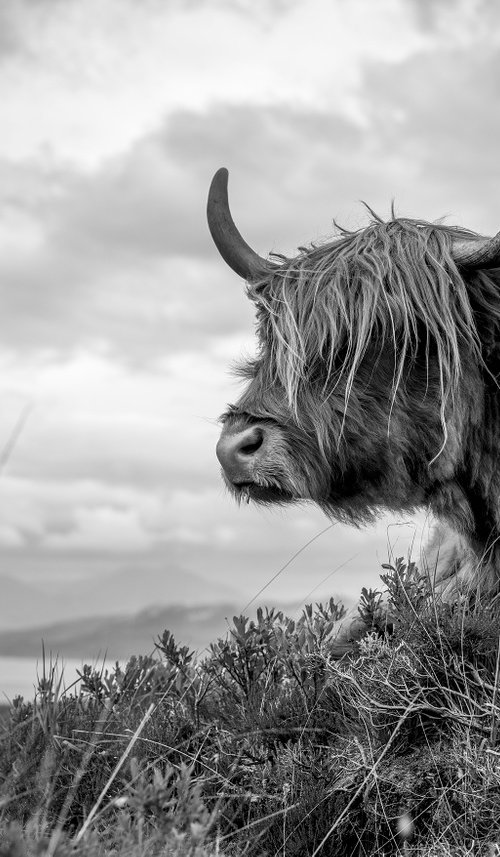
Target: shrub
(270, 744)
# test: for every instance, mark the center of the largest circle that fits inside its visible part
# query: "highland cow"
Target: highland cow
(376, 382)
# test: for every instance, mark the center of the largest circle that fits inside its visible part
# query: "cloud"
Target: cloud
(102, 92)
(101, 529)
(442, 119)
(80, 528)
(121, 260)
(92, 419)
(72, 276)
(118, 258)
(466, 21)
(10, 36)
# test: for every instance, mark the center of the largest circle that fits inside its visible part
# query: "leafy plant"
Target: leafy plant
(271, 744)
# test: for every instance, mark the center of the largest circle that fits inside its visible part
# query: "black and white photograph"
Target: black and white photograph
(249, 428)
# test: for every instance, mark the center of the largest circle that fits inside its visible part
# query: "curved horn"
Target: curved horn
(477, 252)
(232, 247)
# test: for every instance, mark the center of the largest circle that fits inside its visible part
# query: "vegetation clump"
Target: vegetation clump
(271, 744)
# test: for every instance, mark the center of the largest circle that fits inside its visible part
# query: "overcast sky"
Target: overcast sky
(119, 321)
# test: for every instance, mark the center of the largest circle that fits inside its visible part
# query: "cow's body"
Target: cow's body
(376, 383)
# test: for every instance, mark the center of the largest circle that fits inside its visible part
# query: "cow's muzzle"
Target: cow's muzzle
(240, 452)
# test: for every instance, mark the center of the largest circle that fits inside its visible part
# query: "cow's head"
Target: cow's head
(368, 379)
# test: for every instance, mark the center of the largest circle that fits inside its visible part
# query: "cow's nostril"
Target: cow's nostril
(239, 452)
(254, 445)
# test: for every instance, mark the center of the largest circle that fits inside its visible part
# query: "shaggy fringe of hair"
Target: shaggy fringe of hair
(380, 283)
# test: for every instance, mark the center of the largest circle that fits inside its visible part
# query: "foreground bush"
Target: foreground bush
(270, 745)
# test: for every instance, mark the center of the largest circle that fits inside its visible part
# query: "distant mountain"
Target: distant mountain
(119, 637)
(127, 590)
(133, 587)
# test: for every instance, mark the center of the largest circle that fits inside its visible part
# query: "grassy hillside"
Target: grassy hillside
(271, 746)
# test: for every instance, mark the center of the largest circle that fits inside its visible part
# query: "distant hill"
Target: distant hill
(126, 590)
(118, 637)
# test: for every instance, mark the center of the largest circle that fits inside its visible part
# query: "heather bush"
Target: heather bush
(271, 744)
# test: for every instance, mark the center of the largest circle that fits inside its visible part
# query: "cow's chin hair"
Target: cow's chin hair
(265, 495)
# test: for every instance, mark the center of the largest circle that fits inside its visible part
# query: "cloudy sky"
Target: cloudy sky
(118, 319)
